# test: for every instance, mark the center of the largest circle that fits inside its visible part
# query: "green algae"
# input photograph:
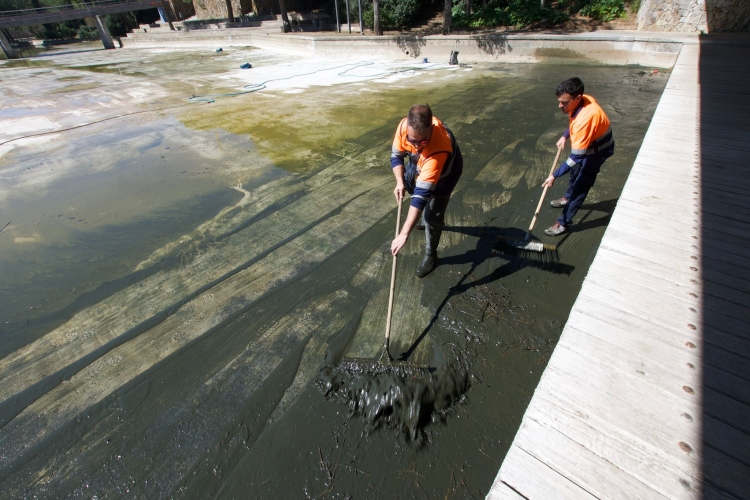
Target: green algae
(301, 134)
(75, 88)
(26, 63)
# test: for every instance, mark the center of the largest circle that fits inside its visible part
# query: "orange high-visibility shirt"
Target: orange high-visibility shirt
(589, 128)
(433, 163)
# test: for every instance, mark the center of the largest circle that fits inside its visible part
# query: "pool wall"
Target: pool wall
(621, 49)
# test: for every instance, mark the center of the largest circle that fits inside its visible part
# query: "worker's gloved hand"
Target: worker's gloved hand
(398, 243)
(549, 181)
(561, 143)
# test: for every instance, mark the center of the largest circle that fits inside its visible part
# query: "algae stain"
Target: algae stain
(25, 63)
(302, 132)
(549, 52)
(74, 88)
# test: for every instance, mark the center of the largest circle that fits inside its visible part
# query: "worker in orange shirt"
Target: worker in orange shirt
(591, 143)
(433, 167)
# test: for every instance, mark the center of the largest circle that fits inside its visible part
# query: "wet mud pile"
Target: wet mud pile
(399, 396)
(195, 359)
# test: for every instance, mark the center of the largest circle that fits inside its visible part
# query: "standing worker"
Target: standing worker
(591, 143)
(434, 167)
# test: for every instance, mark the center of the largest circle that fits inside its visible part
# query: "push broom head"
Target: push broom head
(527, 250)
(525, 245)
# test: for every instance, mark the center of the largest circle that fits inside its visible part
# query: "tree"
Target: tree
(284, 16)
(230, 16)
(376, 18)
(447, 13)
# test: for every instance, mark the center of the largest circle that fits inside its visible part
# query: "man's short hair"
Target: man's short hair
(420, 118)
(572, 86)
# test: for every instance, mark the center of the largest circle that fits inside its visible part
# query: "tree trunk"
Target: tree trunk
(468, 8)
(167, 14)
(284, 17)
(230, 16)
(447, 17)
(484, 5)
(376, 17)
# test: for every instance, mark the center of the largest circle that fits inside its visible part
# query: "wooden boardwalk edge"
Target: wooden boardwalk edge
(634, 402)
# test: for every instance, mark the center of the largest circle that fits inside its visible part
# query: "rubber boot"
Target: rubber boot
(430, 252)
(428, 264)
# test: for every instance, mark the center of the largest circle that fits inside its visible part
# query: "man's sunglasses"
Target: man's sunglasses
(417, 143)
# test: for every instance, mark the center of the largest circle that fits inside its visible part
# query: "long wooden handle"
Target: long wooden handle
(393, 279)
(544, 193)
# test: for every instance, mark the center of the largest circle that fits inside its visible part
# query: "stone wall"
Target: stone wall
(694, 15)
(728, 15)
(181, 9)
(217, 9)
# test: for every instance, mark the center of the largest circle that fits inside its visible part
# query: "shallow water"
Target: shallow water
(174, 281)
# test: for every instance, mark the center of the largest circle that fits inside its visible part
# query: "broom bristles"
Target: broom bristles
(525, 245)
(357, 366)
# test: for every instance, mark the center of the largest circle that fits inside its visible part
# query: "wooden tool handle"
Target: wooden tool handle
(393, 279)
(544, 193)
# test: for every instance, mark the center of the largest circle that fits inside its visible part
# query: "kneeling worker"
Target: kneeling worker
(434, 167)
(591, 143)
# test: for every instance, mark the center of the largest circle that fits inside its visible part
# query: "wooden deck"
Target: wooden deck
(647, 394)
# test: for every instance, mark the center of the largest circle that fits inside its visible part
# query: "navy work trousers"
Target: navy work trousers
(582, 178)
(434, 212)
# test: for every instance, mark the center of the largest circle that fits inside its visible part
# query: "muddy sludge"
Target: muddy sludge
(217, 399)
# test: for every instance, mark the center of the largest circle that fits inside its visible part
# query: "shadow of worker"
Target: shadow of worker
(486, 248)
(585, 223)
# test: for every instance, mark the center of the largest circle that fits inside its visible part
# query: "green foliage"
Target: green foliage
(87, 33)
(606, 10)
(14, 4)
(394, 14)
(504, 13)
(118, 24)
(60, 31)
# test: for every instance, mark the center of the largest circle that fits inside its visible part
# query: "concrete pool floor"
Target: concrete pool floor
(176, 276)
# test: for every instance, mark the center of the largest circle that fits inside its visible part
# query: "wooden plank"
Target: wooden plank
(736, 227)
(733, 313)
(665, 369)
(579, 464)
(595, 302)
(726, 474)
(673, 308)
(637, 457)
(727, 439)
(679, 272)
(627, 401)
(710, 242)
(709, 251)
(535, 480)
(618, 320)
(501, 491)
(726, 409)
(657, 366)
(621, 403)
(726, 384)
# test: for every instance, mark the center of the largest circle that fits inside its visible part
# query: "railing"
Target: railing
(26, 17)
(65, 8)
